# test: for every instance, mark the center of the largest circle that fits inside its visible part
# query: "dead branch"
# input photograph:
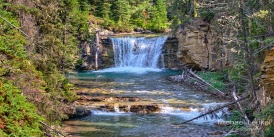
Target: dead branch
(239, 105)
(14, 26)
(211, 111)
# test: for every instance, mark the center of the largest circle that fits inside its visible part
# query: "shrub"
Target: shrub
(18, 117)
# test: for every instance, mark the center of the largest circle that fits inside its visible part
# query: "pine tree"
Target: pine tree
(121, 14)
(159, 16)
(103, 9)
(140, 16)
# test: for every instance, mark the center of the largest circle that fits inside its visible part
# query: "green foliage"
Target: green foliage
(181, 11)
(236, 116)
(18, 117)
(158, 16)
(214, 78)
(38, 75)
(12, 42)
(238, 75)
(267, 115)
(124, 15)
(269, 132)
(237, 123)
(140, 14)
(121, 15)
(207, 14)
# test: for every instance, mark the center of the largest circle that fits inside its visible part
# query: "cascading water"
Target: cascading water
(115, 97)
(138, 52)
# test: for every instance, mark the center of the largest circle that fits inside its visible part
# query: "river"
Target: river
(109, 117)
(134, 98)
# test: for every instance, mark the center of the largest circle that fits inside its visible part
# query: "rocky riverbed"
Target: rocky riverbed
(146, 104)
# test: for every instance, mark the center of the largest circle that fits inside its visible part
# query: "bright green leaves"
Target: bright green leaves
(11, 40)
(17, 116)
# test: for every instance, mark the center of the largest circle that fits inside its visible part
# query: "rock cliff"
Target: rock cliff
(268, 74)
(196, 45)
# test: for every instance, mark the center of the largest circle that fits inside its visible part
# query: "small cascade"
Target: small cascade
(194, 112)
(138, 52)
(116, 108)
(162, 61)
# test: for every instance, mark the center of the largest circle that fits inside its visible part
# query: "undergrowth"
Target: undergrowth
(214, 78)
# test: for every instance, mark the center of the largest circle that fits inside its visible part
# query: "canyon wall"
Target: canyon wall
(198, 47)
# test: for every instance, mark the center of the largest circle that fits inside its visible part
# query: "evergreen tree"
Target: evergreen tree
(103, 9)
(140, 16)
(159, 16)
(121, 14)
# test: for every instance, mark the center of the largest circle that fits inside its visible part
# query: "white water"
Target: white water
(194, 112)
(137, 55)
(136, 70)
(167, 110)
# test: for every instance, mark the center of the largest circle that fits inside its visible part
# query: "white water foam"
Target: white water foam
(194, 112)
(138, 52)
(136, 70)
(107, 113)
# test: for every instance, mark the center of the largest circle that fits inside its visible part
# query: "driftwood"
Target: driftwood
(58, 132)
(211, 111)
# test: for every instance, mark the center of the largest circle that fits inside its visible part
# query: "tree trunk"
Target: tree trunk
(248, 56)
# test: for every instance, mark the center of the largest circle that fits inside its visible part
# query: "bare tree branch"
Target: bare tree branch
(211, 111)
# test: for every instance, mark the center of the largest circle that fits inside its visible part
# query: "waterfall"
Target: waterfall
(138, 52)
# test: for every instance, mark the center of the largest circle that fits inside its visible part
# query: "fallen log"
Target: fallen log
(211, 111)
(199, 78)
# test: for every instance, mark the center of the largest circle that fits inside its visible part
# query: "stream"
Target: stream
(135, 99)
(176, 104)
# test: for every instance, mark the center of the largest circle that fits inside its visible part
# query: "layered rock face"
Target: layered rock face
(88, 51)
(268, 74)
(195, 42)
(169, 52)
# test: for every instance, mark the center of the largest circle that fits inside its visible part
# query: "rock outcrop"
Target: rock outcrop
(268, 75)
(88, 50)
(194, 43)
(169, 52)
(202, 46)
